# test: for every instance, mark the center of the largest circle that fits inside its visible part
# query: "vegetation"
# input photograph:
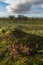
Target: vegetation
(21, 41)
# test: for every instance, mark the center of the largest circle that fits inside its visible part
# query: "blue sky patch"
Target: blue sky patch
(3, 6)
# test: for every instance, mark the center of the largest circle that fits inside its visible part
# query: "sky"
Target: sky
(30, 8)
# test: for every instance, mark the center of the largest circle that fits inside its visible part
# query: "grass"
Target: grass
(24, 32)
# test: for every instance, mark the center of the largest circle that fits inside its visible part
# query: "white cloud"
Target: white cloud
(3, 14)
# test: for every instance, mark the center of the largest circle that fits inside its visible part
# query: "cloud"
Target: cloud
(19, 8)
(3, 14)
(7, 1)
(23, 6)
